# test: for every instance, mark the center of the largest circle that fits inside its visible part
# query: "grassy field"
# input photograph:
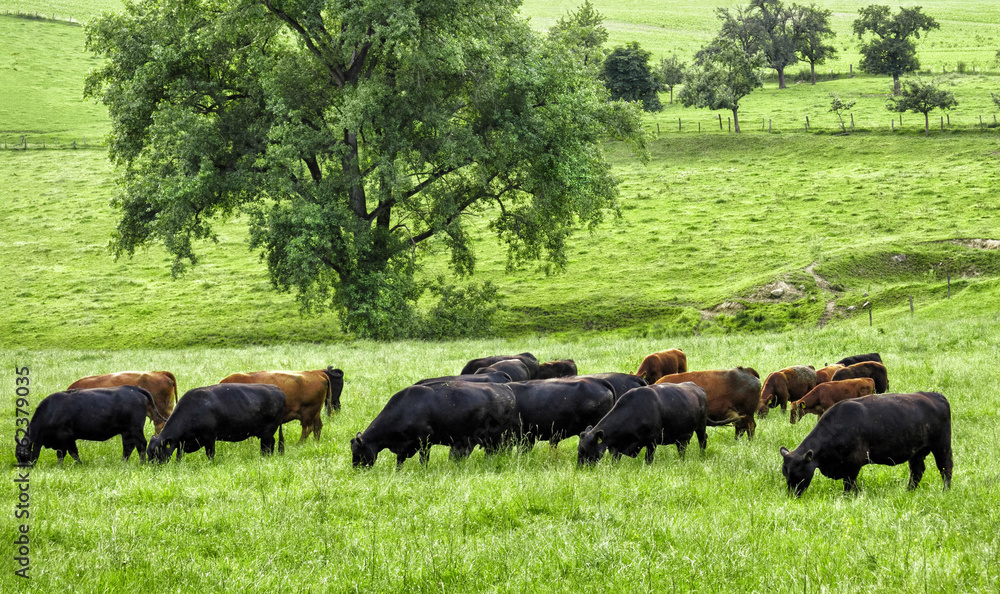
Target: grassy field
(521, 522)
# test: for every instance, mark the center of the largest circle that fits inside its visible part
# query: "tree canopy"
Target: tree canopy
(890, 49)
(627, 75)
(353, 134)
(812, 29)
(583, 32)
(671, 73)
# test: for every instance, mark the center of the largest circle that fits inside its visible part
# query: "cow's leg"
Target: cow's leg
(917, 467)
(60, 455)
(702, 438)
(267, 443)
(128, 444)
(73, 452)
(750, 426)
(210, 448)
(650, 452)
(317, 426)
(942, 458)
(851, 483)
(682, 445)
(180, 450)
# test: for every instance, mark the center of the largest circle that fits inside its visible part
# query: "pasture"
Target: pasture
(708, 228)
(308, 521)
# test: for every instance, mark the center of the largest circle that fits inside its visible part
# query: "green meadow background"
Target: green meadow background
(708, 228)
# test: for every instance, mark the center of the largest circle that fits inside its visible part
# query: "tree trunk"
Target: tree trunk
(812, 68)
(895, 84)
(781, 78)
(671, 95)
(927, 124)
(736, 121)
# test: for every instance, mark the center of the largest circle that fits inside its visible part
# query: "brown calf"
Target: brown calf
(161, 385)
(825, 374)
(732, 396)
(305, 394)
(781, 387)
(657, 365)
(825, 395)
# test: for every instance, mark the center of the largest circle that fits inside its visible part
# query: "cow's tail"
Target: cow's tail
(281, 440)
(157, 417)
(333, 376)
(173, 384)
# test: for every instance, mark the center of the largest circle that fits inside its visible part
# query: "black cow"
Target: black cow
(461, 415)
(95, 414)
(528, 359)
(222, 412)
(487, 377)
(554, 409)
(514, 368)
(620, 382)
(336, 378)
(646, 417)
(889, 429)
(859, 358)
(560, 368)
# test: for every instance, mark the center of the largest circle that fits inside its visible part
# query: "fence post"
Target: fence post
(942, 123)
(869, 315)
(893, 124)
(948, 115)
(657, 129)
(730, 120)
(980, 122)
(720, 121)
(852, 72)
(949, 285)
(768, 126)
(911, 305)
(852, 122)
(679, 124)
(699, 127)
(807, 123)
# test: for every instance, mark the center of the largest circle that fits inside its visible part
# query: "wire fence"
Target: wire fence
(40, 15)
(893, 123)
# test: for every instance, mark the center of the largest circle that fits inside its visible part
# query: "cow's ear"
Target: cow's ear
(784, 451)
(599, 435)
(809, 456)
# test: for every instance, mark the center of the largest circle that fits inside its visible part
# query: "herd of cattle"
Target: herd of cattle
(508, 401)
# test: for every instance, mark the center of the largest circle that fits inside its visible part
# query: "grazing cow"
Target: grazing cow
(825, 374)
(644, 418)
(825, 395)
(161, 385)
(560, 368)
(871, 369)
(461, 415)
(528, 359)
(223, 412)
(558, 408)
(516, 370)
(847, 361)
(96, 414)
(484, 377)
(733, 395)
(306, 392)
(620, 382)
(888, 429)
(657, 365)
(781, 387)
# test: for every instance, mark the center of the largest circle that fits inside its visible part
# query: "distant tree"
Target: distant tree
(838, 107)
(722, 76)
(741, 28)
(921, 97)
(583, 33)
(627, 75)
(777, 35)
(812, 29)
(671, 73)
(891, 49)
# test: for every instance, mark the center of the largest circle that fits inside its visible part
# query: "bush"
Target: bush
(469, 312)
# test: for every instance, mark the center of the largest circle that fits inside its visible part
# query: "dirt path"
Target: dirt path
(822, 283)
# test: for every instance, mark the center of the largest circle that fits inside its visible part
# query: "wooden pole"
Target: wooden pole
(657, 128)
(893, 125)
(942, 123)
(678, 124)
(720, 121)
(769, 126)
(911, 305)
(807, 123)
(869, 315)
(949, 285)
(852, 122)
(730, 120)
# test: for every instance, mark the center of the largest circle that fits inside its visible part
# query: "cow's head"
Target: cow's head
(23, 451)
(160, 449)
(798, 410)
(798, 470)
(362, 453)
(592, 446)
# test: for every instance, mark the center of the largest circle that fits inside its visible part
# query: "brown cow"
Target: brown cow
(781, 387)
(161, 385)
(825, 395)
(305, 394)
(871, 369)
(825, 374)
(732, 395)
(666, 362)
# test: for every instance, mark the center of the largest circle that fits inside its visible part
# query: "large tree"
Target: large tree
(812, 30)
(627, 75)
(890, 49)
(671, 73)
(353, 133)
(777, 33)
(722, 75)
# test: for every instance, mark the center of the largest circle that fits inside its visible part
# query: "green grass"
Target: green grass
(309, 522)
